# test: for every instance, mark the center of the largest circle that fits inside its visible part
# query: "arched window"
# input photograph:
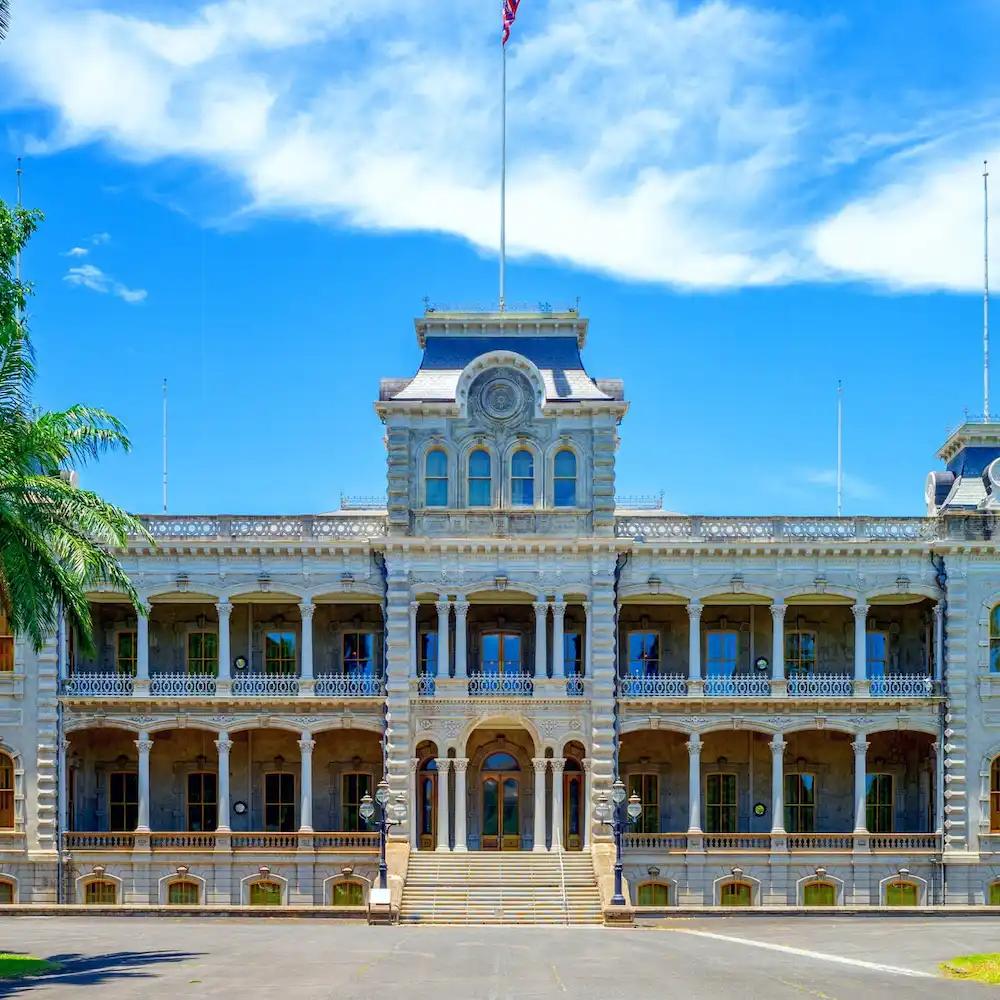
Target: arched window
(901, 893)
(6, 792)
(819, 894)
(995, 639)
(500, 762)
(265, 893)
(183, 892)
(653, 894)
(480, 479)
(436, 478)
(993, 899)
(100, 892)
(522, 478)
(736, 894)
(995, 796)
(564, 479)
(348, 893)
(6, 891)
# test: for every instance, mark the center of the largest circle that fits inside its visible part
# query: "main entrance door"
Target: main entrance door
(573, 808)
(501, 790)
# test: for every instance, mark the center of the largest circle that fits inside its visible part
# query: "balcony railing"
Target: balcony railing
(94, 841)
(189, 841)
(182, 841)
(519, 685)
(349, 686)
(265, 841)
(904, 841)
(364, 841)
(901, 686)
(820, 841)
(738, 686)
(737, 841)
(426, 685)
(820, 686)
(802, 842)
(653, 686)
(104, 685)
(266, 685)
(182, 685)
(655, 842)
(164, 527)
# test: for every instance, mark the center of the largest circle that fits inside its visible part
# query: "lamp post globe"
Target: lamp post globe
(618, 792)
(634, 807)
(382, 793)
(367, 809)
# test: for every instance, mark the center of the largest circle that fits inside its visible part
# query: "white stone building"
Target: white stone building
(806, 709)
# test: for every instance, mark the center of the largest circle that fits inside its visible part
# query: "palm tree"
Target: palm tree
(57, 541)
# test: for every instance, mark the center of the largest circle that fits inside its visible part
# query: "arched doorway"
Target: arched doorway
(500, 785)
(502, 791)
(573, 796)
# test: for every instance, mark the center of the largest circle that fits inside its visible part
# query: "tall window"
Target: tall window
(800, 803)
(501, 653)
(877, 654)
(6, 644)
(800, 652)
(721, 652)
(279, 802)
(995, 639)
(480, 479)
(265, 893)
(279, 653)
(643, 654)
(359, 654)
(995, 796)
(126, 648)
(720, 803)
(522, 479)
(878, 803)
(202, 801)
(6, 792)
(647, 787)
(428, 648)
(564, 479)
(573, 654)
(123, 800)
(436, 478)
(100, 892)
(182, 893)
(354, 787)
(203, 653)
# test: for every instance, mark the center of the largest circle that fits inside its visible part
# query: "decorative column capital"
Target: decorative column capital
(224, 609)
(541, 608)
(778, 746)
(223, 745)
(694, 745)
(460, 764)
(306, 746)
(539, 764)
(694, 610)
(144, 610)
(586, 605)
(442, 764)
(938, 610)
(558, 765)
(306, 609)
(559, 608)
(587, 763)
(461, 608)
(860, 746)
(64, 745)
(860, 611)
(442, 606)
(778, 612)
(414, 607)
(144, 744)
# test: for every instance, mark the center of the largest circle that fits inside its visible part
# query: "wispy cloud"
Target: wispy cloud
(75, 252)
(92, 277)
(100, 239)
(855, 487)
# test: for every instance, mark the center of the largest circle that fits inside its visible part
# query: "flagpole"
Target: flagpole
(503, 174)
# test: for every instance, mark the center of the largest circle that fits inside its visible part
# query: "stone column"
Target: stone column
(142, 643)
(461, 765)
(778, 786)
(398, 658)
(541, 639)
(694, 745)
(860, 748)
(307, 608)
(461, 639)
(587, 821)
(143, 744)
(223, 745)
(938, 642)
(860, 642)
(558, 765)
(558, 651)
(539, 764)
(306, 746)
(694, 640)
(443, 607)
(443, 763)
(414, 644)
(778, 642)
(225, 610)
(416, 800)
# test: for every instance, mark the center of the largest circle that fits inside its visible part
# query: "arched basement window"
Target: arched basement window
(819, 894)
(901, 893)
(100, 892)
(348, 893)
(6, 891)
(183, 892)
(653, 894)
(265, 893)
(736, 894)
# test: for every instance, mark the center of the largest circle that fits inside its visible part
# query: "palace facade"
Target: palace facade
(806, 710)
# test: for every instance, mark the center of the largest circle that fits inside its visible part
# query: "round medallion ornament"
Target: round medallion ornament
(501, 398)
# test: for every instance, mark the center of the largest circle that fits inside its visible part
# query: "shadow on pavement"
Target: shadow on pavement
(88, 970)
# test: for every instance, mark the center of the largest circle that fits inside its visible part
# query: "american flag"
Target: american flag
(509, 13)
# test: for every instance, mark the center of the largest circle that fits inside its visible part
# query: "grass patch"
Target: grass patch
(14, 965)
(981, 968)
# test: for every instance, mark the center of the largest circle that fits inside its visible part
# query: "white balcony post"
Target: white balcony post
(417, 802)
(938, 642)
(778, 785)
(443, 763)
(539, 764)
(461, 765)
(414, 648)
(306, 746)
(443, 607)
(223, 745)
(587, 808)
(558, 764)
(225, 610)
(694, 640)
(694, 745)
(461, 642)
(541, 639)
(860, 748)
(142, 643)
(143, 744)
(307, 609)
(778, 642)
(860, 641)
(558, 623)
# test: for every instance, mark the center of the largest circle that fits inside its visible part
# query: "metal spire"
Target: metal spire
(164, 446)
(986, 292)
(840, 448)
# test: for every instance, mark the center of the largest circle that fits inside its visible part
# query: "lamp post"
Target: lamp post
(610, 814)
(385, 821)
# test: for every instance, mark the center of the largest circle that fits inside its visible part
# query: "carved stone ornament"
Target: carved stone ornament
(501, 395)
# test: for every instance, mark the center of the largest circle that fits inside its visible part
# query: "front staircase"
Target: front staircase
(508, 887)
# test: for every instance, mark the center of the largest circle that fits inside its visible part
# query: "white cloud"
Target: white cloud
(100, 239)
(855, 487)
(75, 252)
(92, 277)
(647, 139)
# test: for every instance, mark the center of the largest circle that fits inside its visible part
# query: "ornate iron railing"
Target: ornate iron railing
(349, 686)
(737, 841)
(229, 527)
(901, 686)
(104, 685)
(575, 687)
(659, 686)
(182, 685)
(182, 841)
(97, 841)
(264, 841)
(820, 685)
(266, 686)
(655, 842)
(364, 841)
(361, 502)
(501, 685)
(644, 501)
(904, 841)
(426, 685)
(776, 529)
(738, 686)
(820, 841)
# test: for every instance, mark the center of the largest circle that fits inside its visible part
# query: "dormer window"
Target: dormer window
(564, 479)
(522, 479)
(436, 478)
(480, 479)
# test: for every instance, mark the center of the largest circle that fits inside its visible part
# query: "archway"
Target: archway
(500, 798)
(573, 796)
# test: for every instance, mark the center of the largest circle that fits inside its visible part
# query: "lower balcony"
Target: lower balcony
(796, 843)
(263, 842)
(515, 684)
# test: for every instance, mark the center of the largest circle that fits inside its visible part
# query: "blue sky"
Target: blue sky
(749, 200)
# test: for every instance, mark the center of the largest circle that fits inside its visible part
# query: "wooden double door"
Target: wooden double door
(501, 802)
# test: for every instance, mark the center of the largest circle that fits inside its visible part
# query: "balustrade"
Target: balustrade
(225, 527)
(904, 842)
(349, 686)
(793, 529)
(820, 841)
(496, 685)
(182, 841)
(362, 841)
(266, 685)
(264, 841)
(95, 841)
(426, 686)
(104, 685)
(737, 841)
(820, 686)
(738, 686)
(657, 686)
(901, 686)
(655, 841)
(182, 685)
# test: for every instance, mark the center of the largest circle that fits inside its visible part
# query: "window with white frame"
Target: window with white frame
(721, 652)
(203, 652)
(480, 478)
(126, 651)
(573, 654)
(564, 479)
(436, 478)
(800, 652)
(359, 654)
(522, 478)
(427, 646)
